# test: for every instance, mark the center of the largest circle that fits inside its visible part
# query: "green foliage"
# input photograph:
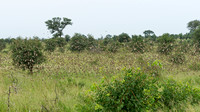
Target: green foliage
(196, 37)
(67, 38)
(128, 94)
(193, 25)
(50, 45)
(165, 45)
(148, 33)
(124, 37)
(113, 46)
(195, 66)
(91, 43)
(184, 46)
(26, 53)
(137, 44)
(137, 92)
(57, 25)
(178, 58)
(78, 42)
(2, 45)
(175, 93)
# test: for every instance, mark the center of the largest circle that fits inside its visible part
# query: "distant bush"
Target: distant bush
(78, 42)
(26, 53)
(166, 44)
(50, 45)
(137, 44)
(196, 38)
(67, 38)
(91, 43)
(2, 45)
(178, 58)
(124, 37)
(184, 46)
(113, 46)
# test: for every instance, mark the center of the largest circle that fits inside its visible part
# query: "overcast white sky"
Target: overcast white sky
(97, 17)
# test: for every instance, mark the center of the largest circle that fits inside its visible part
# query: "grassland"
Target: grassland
(56, 85)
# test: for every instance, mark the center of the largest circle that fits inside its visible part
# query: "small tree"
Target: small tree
(148, 33)
(57, 25)
(26, 53)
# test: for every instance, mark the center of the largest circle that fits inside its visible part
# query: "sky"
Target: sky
(27, 18)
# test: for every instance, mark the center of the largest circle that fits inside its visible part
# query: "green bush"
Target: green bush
(78, 42)
(26, 53)
(50, 45)
(137, 44)
(166, 44)
(113, 46)
(91, 43)
(128, 94)
(137, 92)
(124, 37)
(178, 58)
(175, 94)
(2, 45)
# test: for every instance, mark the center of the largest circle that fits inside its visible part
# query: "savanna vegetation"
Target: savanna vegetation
(115, 73)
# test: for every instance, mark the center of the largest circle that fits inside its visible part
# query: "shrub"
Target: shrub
(113, 46)
(50, 45)
(67, 38)
(165, 45)
(91, 43)
(178, 58)
(184, 46)
(124, 37)
(2, 45)
(137, 44)
(196, 38)
(137, 92)
(26, 53)
(78, 42)
(174, 94)
(129, 94)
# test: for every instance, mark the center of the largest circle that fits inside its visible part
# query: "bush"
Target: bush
(137, 44)
(26, 53)
(196, 38)
(78, 42)
(50, 45)
(124, 37)
(165, 45)
(178, 58)
(67, 38)
(174, 94)
(91, 43)
(129, 94)
(113, 46)
(2, 45)
(137, 92)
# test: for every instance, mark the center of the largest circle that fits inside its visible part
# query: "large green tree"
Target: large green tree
(193, 25)
(57, 25)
